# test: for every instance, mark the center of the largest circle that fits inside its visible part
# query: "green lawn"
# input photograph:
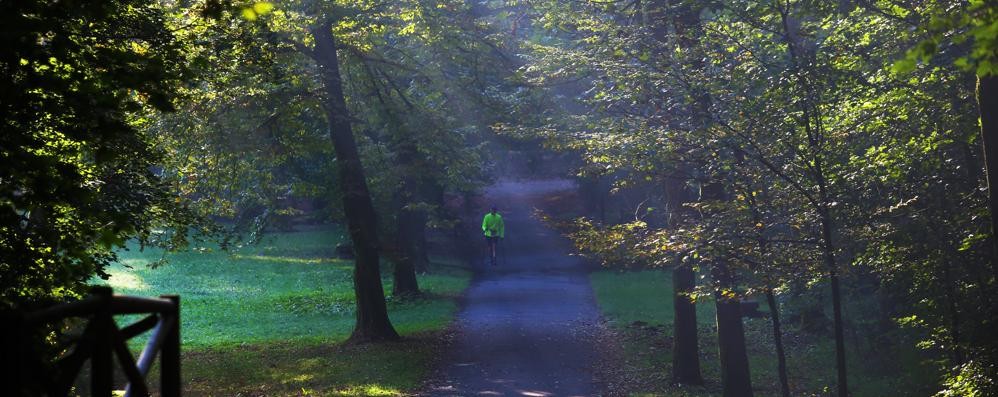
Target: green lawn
(646, 297)
(270, 318)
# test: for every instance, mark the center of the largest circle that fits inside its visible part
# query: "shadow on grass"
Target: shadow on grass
(638, 306)
(325, 368)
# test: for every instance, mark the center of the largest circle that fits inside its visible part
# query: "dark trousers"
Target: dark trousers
(492, 242)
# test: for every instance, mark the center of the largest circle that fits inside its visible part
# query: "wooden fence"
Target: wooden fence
(102, 340)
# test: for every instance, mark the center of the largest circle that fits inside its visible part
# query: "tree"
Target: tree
(372, 313)
(811, 146)
(408, 91)
(970, 31)
(77, 173)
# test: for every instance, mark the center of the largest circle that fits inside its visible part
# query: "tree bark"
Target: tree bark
(686, 345)
(686, 354)
(987, 105)
(781, 355)
(405, 283)
(686, 341)
(774, 308)
(411, 221)
(686, 349)
(372, 313)
(431, 191)
(956, 349)
(828, 253)
(840, 345)
(815, 136)
(420, 247)
(735, 378)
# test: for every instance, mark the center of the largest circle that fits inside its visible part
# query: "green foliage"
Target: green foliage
(76, 171)
(248, 141)
(779, 141)
(970, 380)
(251, 140)
(968, 28)
(613, 245)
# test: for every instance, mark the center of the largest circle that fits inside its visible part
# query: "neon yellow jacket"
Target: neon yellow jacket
(493, 226)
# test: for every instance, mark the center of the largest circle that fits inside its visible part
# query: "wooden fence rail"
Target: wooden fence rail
(102, 340)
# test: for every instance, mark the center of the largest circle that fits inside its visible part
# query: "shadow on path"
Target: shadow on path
(526, 325)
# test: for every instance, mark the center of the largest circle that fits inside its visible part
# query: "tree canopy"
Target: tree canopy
(810, 153)
(78, 175)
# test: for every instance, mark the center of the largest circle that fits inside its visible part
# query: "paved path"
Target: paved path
(525, 327)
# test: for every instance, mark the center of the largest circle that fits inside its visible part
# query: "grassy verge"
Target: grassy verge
(269, 319)
(638, 306)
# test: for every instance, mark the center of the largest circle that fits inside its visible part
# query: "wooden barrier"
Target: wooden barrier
(102, 340)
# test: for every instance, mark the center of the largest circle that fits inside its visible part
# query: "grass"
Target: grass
(287, 368)
(638, 306)
(270, 318)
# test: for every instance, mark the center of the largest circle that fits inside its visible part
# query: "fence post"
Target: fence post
(170, 355)
(102, 375)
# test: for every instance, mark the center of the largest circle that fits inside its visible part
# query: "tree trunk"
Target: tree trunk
(686, 344)
(431, 192)
(733, 355)
(840, 344)
(686, 349)
(405, 265)
(686, 355)
(420, 250)
(735, 378)
(987, 105)
(781, 356)
(372, 314)
(833, 275)
(410, 229)
(815, 135)
(956, 350)
(774, 309)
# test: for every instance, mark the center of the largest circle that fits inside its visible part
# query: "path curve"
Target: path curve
(526, 326)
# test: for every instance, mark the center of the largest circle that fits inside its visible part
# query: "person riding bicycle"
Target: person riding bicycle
(494, 230)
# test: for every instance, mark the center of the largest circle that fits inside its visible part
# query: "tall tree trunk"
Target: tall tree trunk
(828, 252)
(410, 228)
(405, 265)
(432, 192)
(685, 338)
(815, 135)
(686, 345)
(686, 349)
(840, 344)
(774, 309)
(372, 314)
(686, 355)
(735, 378)
(956, 351)
(420, 247)
(781, 355)
(987, 105)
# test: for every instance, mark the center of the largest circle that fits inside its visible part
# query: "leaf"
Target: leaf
(263, 7)
(904, 66)
(249, 14)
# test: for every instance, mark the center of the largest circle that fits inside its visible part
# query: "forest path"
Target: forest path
(526, 326)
